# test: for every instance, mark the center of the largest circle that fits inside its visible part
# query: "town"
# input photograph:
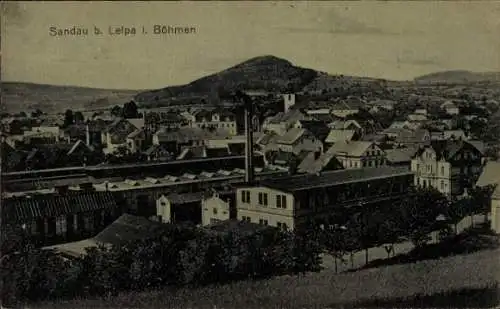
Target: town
(253, 161)
(277, 154)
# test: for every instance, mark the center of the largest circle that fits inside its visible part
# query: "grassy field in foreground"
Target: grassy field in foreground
(478, 271)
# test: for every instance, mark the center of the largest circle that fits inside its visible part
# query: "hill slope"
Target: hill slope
(459, 77)
(268, 73)
(18, 97)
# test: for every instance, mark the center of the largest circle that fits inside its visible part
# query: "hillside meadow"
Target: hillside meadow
(467, 276)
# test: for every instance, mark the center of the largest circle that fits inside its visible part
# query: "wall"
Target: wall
(214, 208)
(270, 212)
(495, 214)
(163, 209)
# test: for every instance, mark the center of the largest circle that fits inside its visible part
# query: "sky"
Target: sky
(385, 39)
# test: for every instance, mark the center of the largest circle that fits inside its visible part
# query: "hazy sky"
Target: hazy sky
(393, 40)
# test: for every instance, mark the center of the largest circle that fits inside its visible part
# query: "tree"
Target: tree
(36, 113)
(78, 117)
(419, 211)
(116, 111)
(130, 110)
(68, 118)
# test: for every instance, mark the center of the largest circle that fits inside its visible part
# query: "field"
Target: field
(468, 275)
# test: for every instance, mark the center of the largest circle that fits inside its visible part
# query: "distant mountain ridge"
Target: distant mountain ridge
(264, 73)
(20, 96)
(459, 76)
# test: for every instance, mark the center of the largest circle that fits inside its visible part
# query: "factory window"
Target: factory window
(262, 198)
(245, 196)
(61, 225)
(281, 201)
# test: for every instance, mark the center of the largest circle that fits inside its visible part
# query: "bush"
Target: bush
(177, 256)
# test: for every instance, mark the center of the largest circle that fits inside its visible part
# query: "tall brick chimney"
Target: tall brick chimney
(247, 102)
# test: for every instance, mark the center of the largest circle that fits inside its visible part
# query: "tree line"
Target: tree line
(190, 256)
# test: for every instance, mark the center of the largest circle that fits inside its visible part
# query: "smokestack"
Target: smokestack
(87, 134)
(249, 176)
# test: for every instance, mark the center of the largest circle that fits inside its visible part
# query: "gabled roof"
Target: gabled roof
(291, 136)
(417, 136)
(336, 136)
(289, 117)
(352, 148)
(490, 174)
(76, 145)
(351, 103)
(318, 129)
(445, 149)
(400, 155)
(186, 198)
(137, 134)
(344, 124)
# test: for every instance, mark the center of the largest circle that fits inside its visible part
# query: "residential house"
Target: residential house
(291, 202)
(450, 108)
(381, 106)
(347, 125)
(296, 140)
(217, 120)
(42, 135)
(115, 135)
(336, 136)
(400, 156)
(449, 134)
(175, 140)
(319, 129)
(316, 162)
(154, 119)
(358, 154)
(416, 137)
(137, 141)
(281, 122)
(490, 176)
(158, 153)
(450, 166)
(347, 107)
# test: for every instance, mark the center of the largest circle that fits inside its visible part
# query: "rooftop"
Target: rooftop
(328, 179)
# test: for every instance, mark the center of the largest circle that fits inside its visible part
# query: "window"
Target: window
(214, 221)
(262, 198)
(263, 222)
(245, 196)
(442, 184)
(215, 210)
(61, 225)
(281, 201)
(246, 219)
(442, 170)
(88, 222)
